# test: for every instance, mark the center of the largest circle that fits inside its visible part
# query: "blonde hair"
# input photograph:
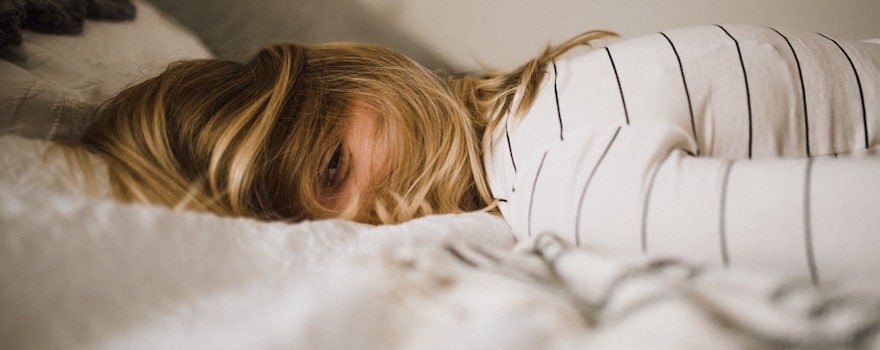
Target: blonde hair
(250, 139)
(490, 95)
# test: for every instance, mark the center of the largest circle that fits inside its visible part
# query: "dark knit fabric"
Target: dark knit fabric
(11, 16)
(56, 16)
(115, 10)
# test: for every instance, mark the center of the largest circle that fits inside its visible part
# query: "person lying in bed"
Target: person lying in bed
(616, 146)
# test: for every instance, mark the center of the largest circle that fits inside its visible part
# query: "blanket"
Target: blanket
(88, 272)
(97, 274)
(80, 270)
(56, 16)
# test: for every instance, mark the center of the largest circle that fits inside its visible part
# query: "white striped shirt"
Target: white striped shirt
(724, 144)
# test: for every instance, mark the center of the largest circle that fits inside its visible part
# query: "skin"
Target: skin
(362, 160)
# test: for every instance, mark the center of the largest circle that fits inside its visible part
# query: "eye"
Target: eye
(335, 161)
(335, 171)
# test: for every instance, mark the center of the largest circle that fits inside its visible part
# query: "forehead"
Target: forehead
(365, 134)
(361, 117)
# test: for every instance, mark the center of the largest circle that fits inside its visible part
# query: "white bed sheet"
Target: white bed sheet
(82, 272)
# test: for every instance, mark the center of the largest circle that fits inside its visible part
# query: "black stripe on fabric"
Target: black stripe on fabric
(808, 229)
(577, 222)
(510, 148)
(556, 95)
(686, 91)
(645, 207)
(532, 196)
(803, 91)
(722, 216)
(746, 81)
(858, 82)
(619, 86)
(502, 200)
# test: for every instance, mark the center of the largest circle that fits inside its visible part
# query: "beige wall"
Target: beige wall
(501, 34)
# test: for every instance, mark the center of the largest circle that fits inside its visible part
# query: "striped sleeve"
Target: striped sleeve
(723, 144)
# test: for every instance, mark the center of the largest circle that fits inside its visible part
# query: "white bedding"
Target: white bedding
(84, 272)
(89, 273)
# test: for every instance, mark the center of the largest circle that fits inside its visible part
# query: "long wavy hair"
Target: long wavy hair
(490, 95)
(251, 139)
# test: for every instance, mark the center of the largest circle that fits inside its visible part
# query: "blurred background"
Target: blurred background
(503, 33)
(467, 35)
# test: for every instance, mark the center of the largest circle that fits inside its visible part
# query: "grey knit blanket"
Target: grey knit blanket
(56, 16)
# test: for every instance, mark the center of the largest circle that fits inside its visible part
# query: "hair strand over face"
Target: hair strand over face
(254, 139)
(250, 139)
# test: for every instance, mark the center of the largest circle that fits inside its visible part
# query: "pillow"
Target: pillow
(54, 83)
(237, 29)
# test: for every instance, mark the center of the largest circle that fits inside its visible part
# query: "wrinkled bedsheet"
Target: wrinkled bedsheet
(90, 273)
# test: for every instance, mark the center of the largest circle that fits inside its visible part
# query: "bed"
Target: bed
(80, 270)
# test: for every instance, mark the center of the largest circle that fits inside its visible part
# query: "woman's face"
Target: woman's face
(359, 162)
